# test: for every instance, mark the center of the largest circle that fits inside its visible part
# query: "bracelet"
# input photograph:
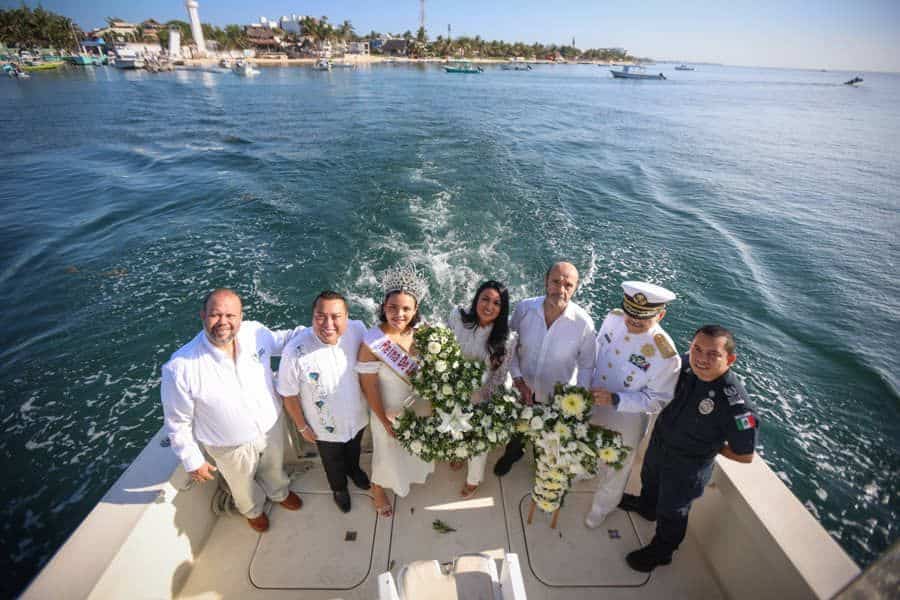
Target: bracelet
(304, 429)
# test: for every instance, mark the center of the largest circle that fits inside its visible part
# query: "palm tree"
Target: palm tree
(345, 31)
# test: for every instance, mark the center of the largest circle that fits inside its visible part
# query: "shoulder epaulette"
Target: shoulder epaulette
(666, 349)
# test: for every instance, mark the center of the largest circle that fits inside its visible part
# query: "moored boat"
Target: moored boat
(634, 72)
(463, 68)
(128, 59)
(516, 67)
(323, 64)
(244, 68)
(42, 66)
(854, 81)
(684, 67)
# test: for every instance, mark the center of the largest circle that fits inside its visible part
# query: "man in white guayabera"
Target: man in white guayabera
(217, 391)
(321, 392)
(556, 344)
(634, 375)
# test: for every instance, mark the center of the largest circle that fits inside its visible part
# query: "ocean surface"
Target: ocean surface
(767, 199)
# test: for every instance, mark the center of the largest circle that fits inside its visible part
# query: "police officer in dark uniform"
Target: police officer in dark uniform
(710, 414)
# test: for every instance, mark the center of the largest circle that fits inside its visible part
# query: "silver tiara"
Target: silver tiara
(404, 278)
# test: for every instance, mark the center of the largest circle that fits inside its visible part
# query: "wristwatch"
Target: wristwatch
(615, 400)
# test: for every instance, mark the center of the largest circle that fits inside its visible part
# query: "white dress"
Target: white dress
(392, 466)
(473, 344)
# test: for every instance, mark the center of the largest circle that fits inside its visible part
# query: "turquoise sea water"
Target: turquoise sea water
(766, 199)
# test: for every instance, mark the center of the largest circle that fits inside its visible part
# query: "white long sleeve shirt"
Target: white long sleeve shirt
(563, 353)
(642, 368)
(323, 376)
(473, 344)
(209, 398)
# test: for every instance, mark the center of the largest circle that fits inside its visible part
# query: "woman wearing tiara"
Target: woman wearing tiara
(483, 334)
(385, 365)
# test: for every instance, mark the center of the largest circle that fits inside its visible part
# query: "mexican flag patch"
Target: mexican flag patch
(745, 421)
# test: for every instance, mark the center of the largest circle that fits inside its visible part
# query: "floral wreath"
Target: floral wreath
(566, 445)
(456, 429)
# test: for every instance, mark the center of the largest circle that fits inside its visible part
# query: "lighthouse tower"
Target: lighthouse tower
(196, 30)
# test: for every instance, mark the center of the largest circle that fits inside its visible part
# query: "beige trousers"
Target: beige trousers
(254, 470)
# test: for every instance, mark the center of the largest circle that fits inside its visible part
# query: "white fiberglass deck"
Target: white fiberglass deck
(320, 553)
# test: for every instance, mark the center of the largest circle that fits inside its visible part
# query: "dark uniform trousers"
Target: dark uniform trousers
(669, 484)
(341, 460)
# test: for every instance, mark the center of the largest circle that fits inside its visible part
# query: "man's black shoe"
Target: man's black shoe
(632, 503)
(360, 479)
(646, 559)
(342, 499)
(504, 465)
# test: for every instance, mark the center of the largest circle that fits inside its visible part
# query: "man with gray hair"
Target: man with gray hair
(555, 344)
(217, 392)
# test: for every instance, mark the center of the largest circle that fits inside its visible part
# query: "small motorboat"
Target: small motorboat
(244, 69)
(225, 63)
(684, 67)
(323, 64)
(463, 68)
(854, 81)
(15, 72)
(634, 72)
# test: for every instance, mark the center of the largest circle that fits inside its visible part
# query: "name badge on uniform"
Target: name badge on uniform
(706, 406)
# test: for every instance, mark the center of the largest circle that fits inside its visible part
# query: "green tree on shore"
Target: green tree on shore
(24, 27)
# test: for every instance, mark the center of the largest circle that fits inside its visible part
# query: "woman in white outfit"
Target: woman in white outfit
(385, 363)
(483, 334)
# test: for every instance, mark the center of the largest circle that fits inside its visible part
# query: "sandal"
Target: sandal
(456, 465)
(468, 491)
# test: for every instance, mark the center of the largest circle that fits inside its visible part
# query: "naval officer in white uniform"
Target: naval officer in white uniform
(635, 372)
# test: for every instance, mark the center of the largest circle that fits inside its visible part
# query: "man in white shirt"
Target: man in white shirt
(555, 344)
(321, 392)
(634, 375)
(217, 391)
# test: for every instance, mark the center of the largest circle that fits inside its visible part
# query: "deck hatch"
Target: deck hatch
(558, 558)
(320, 554)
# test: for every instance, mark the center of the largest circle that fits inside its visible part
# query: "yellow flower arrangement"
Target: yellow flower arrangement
(572, 405)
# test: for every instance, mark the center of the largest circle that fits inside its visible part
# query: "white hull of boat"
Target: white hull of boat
(154, 536)
(129, 63)
(626, 75)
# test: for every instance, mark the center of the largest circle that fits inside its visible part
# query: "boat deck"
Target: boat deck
(319, 553)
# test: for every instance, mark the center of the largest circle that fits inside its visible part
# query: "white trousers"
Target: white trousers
(475, 474)
(254, 470)
(611, 483)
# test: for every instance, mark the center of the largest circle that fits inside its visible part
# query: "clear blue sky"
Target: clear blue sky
(831, 34)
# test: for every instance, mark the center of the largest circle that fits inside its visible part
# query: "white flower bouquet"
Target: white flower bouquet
(566, 445)
(456, 429)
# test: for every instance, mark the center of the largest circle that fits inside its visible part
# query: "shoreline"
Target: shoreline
(375, 59)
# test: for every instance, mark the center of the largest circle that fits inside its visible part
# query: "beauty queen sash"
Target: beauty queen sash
(391, 354)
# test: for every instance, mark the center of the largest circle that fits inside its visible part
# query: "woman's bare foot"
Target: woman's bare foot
(382, 504)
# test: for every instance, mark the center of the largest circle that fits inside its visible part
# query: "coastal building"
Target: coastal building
(120, 31)
(396, 47)
(358, 48)
(292, 24)
(262, 38)
(150, 30)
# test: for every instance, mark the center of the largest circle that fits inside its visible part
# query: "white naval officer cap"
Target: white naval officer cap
(644, 300)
